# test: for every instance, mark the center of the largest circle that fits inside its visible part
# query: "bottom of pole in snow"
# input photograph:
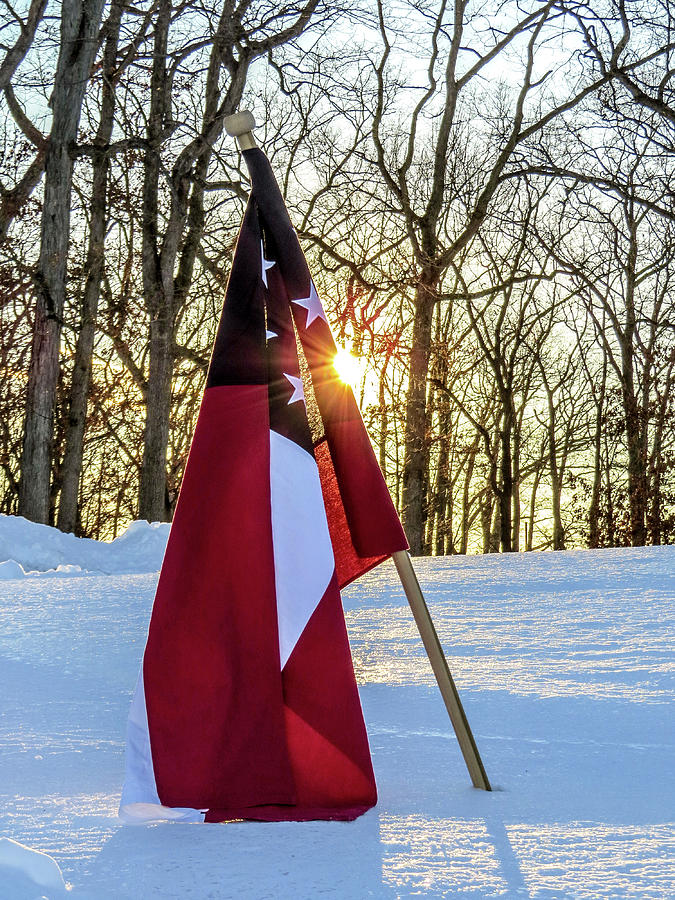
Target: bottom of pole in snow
(440, 668)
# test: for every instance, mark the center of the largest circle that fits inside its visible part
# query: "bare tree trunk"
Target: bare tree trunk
(397, 461)
(444, 525)
(594, 508)
(610, 524)
(515, 530)
(157, 289)
(486, 507)
(554, 473)
(556, 487)
(464, 543)
(495, 530)
(80, 23)
(529, 541)
(657, 466)
(153, 496)
(416, 444)
(634, 417)
(77, 411)
(506, 486)
(655, 519)
(432, 519)
(384, 421)
(637, 475)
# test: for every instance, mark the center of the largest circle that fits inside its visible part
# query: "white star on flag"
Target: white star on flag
(313, 306)
(270, 334)
(298, 389)
(266, 264)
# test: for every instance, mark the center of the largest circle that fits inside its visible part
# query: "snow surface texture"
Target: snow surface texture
(566, 667)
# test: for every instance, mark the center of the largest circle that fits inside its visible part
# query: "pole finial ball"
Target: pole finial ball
(239, 123)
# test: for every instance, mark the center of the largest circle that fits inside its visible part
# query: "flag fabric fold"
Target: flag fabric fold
(246, 706)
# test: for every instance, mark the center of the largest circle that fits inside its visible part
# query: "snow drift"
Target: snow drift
(27, 548)
(27, 871)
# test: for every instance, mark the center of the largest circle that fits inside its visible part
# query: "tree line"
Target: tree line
(484, 192)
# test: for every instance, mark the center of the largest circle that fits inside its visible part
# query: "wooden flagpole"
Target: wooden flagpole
(241, 125)
(440, 668)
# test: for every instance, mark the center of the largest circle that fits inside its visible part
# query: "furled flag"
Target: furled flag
(246, 706)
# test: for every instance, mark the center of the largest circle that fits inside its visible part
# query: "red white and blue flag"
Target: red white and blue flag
(246, 705)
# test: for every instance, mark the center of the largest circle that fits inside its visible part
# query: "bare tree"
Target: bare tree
(71, 466)
(13, 199)
(80, 22)
(442, 208)
(171, 237)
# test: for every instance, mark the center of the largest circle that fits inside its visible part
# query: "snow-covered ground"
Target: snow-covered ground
(566, 667)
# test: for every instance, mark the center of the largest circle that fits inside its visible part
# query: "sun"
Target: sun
(349, 367)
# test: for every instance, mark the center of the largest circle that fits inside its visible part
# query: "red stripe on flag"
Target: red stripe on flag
(211, 666)
(349, 564)
(325, 731)
(320, 687)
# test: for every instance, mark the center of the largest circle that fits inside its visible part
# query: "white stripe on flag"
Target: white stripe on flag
(140, 803)
(303, 553)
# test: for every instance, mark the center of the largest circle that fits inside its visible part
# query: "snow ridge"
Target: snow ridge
(27, 548)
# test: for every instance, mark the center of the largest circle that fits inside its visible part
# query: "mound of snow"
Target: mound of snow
(23, 868)
(29, 548)
(9, 569)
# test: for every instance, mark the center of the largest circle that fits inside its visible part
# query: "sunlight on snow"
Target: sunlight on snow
(565, 665)
(525, 627)
(585, 861)
(597, 859)
(423, 855)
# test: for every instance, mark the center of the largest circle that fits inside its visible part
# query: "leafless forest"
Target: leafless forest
(484, 189)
